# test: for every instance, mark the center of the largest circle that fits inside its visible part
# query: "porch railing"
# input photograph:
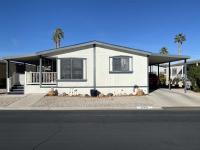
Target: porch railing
(47, 77)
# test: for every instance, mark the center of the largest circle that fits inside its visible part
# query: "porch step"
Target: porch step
(16, 92)
(17, 89)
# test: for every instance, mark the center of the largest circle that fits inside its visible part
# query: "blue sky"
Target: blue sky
(26, 26)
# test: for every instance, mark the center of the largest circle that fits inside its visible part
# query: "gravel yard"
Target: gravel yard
(126, 101)
(158, 98)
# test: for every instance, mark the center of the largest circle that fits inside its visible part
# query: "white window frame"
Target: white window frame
(121, 56)
(84, 70)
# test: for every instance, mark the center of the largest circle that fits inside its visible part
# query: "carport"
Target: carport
(157, 59)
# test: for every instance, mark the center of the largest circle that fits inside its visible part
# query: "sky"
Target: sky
(26, 26)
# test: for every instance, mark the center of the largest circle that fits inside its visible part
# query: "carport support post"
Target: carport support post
(169, 79)
(185, 75)
(40, 71)
(150, 69)
(158, 74)
(8, 76)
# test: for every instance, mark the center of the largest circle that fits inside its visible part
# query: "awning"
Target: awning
(30, 59)
(155, 59)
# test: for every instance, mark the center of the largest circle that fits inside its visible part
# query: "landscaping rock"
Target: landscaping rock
(140, 92)
(56, 93)
(101, 95)
(64, 94)
(50, 93)
(125, 94)
(86, 95)
(110, 94)
(81, 95)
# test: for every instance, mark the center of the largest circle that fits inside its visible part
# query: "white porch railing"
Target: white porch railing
(47, 77)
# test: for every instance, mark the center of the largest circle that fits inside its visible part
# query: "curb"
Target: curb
(80, 108)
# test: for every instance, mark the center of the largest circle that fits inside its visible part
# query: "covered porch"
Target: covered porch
(29, 70)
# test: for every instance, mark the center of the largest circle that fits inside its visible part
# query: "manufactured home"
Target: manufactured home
(178, 70)
(79, 68)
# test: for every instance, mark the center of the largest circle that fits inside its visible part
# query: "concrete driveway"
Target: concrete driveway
(155, 100)
(174, 98)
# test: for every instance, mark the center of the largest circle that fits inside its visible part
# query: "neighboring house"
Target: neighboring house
(77, 69)
(178, 70)
(2, 74)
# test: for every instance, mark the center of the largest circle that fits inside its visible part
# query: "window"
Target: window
(72, 68)
(174, 71)
(122, 64)
(165, 71)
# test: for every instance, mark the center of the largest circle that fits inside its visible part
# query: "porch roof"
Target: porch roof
(31, 59)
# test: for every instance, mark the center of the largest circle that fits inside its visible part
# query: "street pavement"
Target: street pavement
(100, 130)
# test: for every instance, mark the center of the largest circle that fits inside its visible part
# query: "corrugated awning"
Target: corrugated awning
(155, 59)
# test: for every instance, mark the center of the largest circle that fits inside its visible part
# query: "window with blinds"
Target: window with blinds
(121, 64)
(72, 68)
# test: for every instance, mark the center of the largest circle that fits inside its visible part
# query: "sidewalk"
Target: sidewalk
(26, 101)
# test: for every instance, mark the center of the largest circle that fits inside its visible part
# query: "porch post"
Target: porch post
(24, 67)
(169, 79)
(40, 77)
(158, 75)
(8, 76)
(150, 69)
(147, 74)
(185, 75)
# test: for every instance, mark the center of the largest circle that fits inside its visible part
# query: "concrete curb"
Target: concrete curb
(79, 108)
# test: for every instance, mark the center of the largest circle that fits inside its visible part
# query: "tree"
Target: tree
(57, 36)
(179, 39)
(164, 51)
(194, 77)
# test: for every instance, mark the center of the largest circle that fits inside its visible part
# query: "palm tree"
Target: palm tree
(164, 51)
(57, 36)
(179, 39)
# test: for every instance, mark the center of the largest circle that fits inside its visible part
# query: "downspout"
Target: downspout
(148, 74)
(94, 66)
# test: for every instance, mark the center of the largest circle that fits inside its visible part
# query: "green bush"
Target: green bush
(194, 77)
(162, 79)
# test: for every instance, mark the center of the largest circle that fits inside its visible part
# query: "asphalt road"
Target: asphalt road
(100, 130)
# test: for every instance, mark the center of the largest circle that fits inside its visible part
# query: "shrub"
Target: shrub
(162, 79)
(194, 77)
(176, 80)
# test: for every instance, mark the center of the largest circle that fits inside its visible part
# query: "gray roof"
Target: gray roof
(90, 44)
(154, 58)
